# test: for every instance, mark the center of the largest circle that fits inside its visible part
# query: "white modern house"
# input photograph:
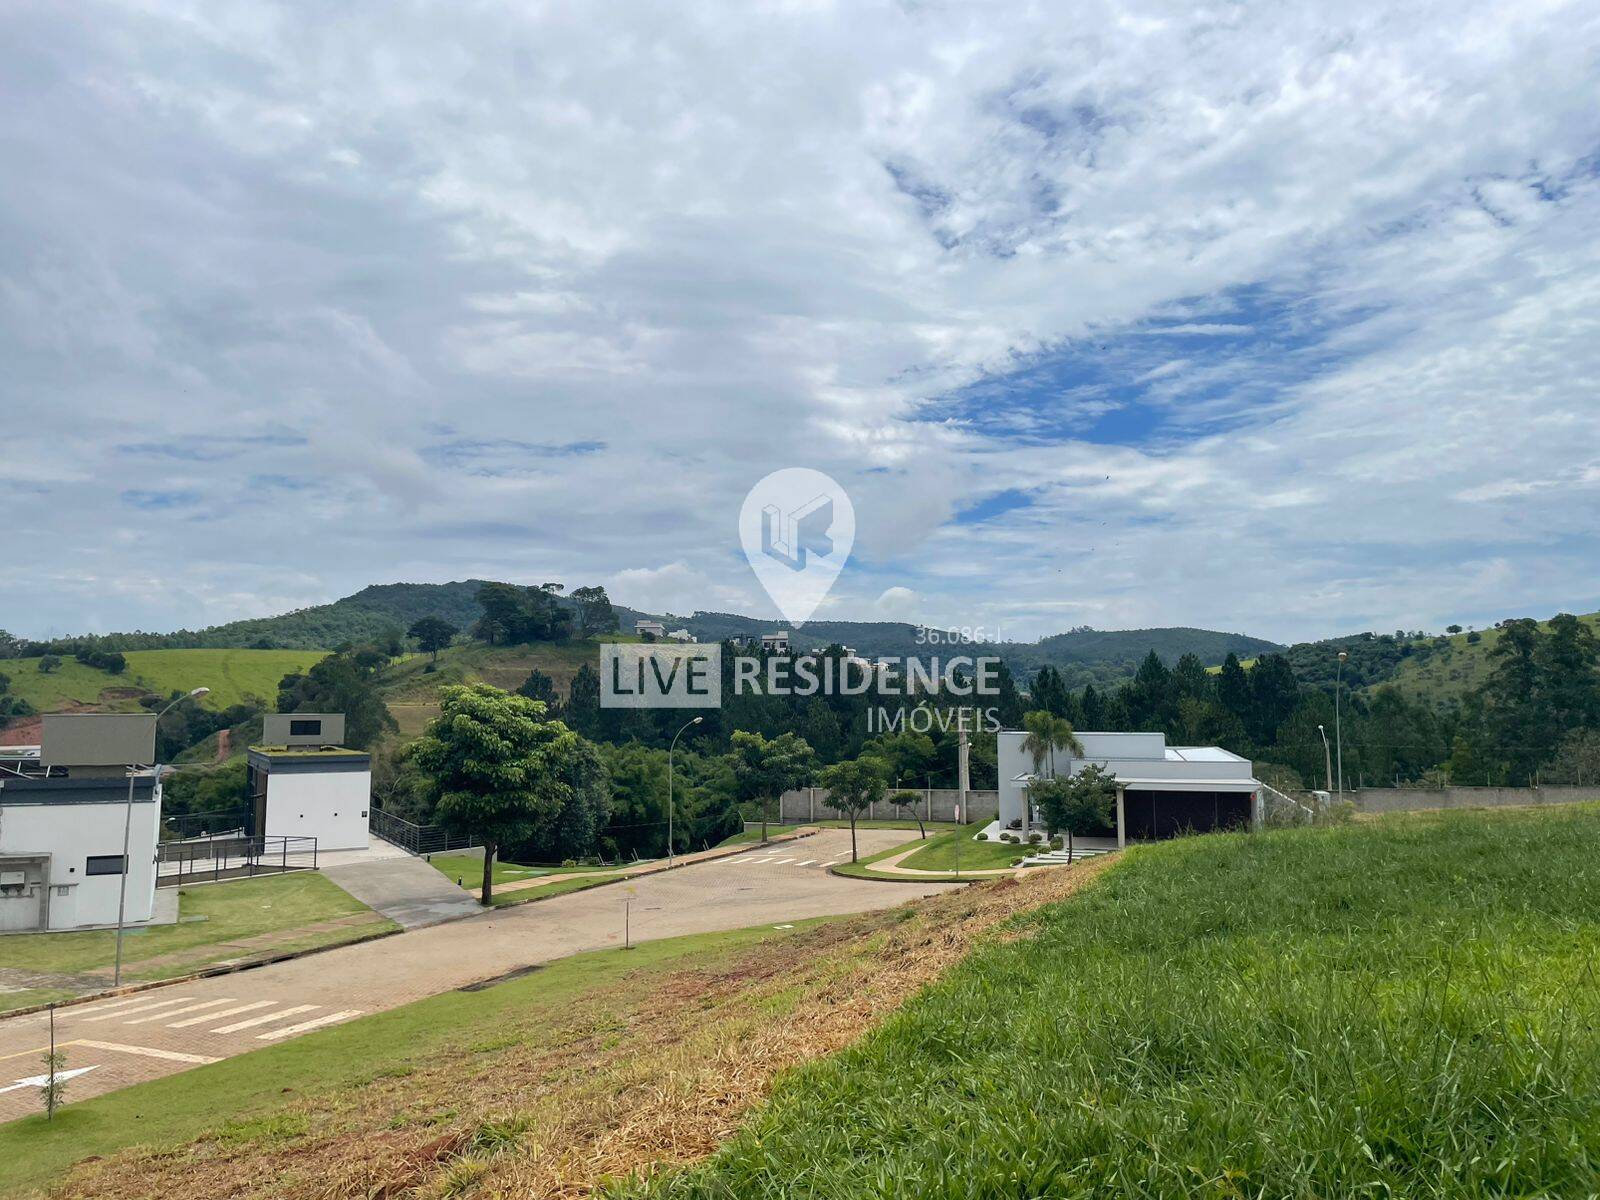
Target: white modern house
(1162, 790)
(64, 813)
(302, 783)
(647, 628)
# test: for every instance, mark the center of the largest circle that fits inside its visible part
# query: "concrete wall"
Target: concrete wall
(938, 804)
(330, 806)
(1382, 800)
(68, 822)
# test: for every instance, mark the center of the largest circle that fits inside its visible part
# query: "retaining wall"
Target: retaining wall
(938, 804)
(1382, 800)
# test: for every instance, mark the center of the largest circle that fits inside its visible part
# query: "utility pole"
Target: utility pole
(1327, 756)
(963, 782)
(1338, 727)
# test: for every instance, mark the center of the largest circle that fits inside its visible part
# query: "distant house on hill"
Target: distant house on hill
(650, 629)
(681, 635)
(776, 643)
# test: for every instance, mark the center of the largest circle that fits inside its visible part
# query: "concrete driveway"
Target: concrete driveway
(158, 1032)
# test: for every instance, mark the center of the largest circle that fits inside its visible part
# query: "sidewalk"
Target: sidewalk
(653, 866)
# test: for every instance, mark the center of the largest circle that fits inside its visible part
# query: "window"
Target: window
(305, 728)
(103, 864)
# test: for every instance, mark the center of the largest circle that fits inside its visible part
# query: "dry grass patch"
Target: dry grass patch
(656, 1071)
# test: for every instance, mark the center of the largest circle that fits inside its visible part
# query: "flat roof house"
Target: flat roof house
(63, 809)
(302, 783)
(1162, 790)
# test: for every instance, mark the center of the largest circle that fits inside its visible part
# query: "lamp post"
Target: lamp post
(670, 750)
(1327, 755)
(1338, 725)
(127, 834)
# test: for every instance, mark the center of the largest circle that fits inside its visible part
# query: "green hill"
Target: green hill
(1450, 667)
(232, 675)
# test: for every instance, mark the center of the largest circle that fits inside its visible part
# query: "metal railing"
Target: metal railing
(419, 839)
(235, 822)
(231, 857)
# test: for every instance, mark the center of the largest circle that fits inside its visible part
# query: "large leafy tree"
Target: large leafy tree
(595, 614)
(498, 769)
(767, 767)
(853, 787)
(432, 634)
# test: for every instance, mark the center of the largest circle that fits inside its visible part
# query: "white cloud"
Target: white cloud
(710, 242)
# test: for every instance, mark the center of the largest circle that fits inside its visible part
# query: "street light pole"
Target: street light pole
(670, 750)
(127, 834)
(1338, 725)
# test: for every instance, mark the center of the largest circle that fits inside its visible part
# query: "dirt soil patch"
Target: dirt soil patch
(649, 1075)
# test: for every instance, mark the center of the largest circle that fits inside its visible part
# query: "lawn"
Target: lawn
(940, 853)
(232, 675)
(213, 917)
(1405, 1007)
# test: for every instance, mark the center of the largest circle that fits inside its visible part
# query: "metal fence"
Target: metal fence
(206, 824)
(419, 839)
(232, 857)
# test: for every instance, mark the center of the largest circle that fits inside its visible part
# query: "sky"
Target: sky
(1275, 318)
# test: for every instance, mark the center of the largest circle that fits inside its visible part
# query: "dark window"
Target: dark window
(305, 728)
(103, 864)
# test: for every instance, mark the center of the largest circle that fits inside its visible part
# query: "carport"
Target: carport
(1151, 809)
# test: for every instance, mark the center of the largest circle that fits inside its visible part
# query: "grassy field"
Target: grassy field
(232, 675)
(1452, 672)
(548, 1083)
(470, 868)
(1401, 1008)
(281, 912)
(940, 853)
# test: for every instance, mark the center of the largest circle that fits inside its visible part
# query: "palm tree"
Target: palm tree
(1047, 733)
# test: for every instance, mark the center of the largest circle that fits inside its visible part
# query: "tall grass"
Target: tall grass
(1402, 1009)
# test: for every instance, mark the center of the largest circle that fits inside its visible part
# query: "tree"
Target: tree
(49, 663)
(909, 802)
(1048, 733)
(766, 768)
(853, 787)
(539, 686)
(1080, 805)
(341, 683)
(1578, 760)
(1007, 699)
(905, 755)
(595, 614)
(432, 634)
(1452, 629)
(1049, 693)
(496, 767)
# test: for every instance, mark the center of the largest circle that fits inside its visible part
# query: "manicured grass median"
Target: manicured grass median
(1406, 1008)
(212, 919)
(942, 851)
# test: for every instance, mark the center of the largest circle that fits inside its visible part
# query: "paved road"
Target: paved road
(169, 1029)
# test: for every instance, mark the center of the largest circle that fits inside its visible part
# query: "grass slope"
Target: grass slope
(1448, 673)
(412, 691)
(283, 910)
(1402, 1008)
(940, 854)
(232, 675)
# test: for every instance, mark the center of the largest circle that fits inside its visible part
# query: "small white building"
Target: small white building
(681, 635)
(653, 629)
(64, 806)
(303, 784)
(776, 643)
(1162, 790)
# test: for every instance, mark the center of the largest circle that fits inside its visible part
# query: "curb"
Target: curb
(544, 893)
(209, 973)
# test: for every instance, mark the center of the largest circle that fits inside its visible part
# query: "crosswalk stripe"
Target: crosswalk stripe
(833, 862)
(217, 1016)
(147, 1006)
(305, 1026)
(129, 1002)
(807, 862)
(149, 1052)
(174, 1012)
(274, 1016)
